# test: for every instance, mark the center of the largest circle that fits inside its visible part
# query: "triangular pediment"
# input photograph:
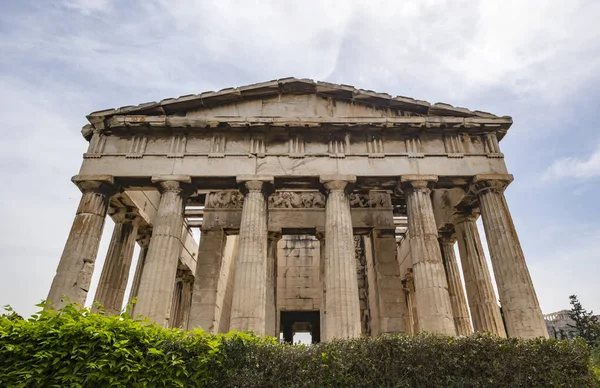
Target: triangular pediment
(291, 97)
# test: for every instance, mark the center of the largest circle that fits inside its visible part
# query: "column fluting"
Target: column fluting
(158, 277)
(143, 241)
(342, 305)
(271, 318)
(249, 306)
(460, 312)
(74, 273)
(115, 272)
(520, 306)
(431, 287)
(483, 304)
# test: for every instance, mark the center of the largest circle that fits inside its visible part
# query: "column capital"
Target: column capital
(464, 214)
(174, 183)
(274, 236)
(338, 182)
(447, 236)
(143, 236)
(103, 184)
(490, 182)
(254, 183)
(125, 215)
(412, 182)
(187, 277)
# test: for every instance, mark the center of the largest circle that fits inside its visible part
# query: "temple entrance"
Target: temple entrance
(293, 322)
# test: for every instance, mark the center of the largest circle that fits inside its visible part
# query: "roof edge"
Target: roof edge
(289, 85)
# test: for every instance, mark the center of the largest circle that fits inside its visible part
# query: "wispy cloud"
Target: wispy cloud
(525, 47)
(570, 167)
(88, 7)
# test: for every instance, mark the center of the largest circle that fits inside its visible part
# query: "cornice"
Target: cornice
(290, 86)
(500, 124)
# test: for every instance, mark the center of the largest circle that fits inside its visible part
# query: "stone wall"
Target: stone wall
(298, 278)
(363, 285)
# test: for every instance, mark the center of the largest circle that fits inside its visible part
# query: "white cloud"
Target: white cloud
(571, 167)
(451, 49)
(89, 7)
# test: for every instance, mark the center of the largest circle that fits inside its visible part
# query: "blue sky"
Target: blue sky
(537, 61)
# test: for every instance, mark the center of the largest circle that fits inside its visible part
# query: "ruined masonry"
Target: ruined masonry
(322, 209)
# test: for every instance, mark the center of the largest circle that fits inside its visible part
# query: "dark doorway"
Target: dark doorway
(300, 321)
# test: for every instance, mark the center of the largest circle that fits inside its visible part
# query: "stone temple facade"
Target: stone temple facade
(322, 209)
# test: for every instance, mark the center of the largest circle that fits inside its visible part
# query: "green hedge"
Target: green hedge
(79, 349)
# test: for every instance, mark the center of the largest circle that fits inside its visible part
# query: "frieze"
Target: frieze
(224, 200)
(371, 200)
(297, 200)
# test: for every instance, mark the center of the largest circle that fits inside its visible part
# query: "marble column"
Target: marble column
(483, 304)
(320, 235)
(431, 287)
(186, 300)
(250, 293)
(115, 272)
(158, 277)
(143, 241)
(74, 273)
(271, 320)
(412, 319)
(182, 298)
(342, 304)
(519, 301)
(176, 300)
(207, 299)
(460, 312)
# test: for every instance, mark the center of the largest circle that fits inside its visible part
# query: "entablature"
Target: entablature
(293, 142)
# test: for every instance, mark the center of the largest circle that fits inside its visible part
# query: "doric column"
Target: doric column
(320, 235)
(176, 300)
(250, 293)
(207, 299)
(187, 289)
(431, 288)
(74, 273)
(342, 306)
(182, 299)
(143, 240)
(412, 319)
(158, 277)
(113, 279)
(271, 319)
(520, 305)
(460, 312)
(478, 282)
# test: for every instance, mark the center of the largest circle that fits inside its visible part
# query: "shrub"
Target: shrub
(77, 348)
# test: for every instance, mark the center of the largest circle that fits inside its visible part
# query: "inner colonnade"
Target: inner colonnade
(322, 208)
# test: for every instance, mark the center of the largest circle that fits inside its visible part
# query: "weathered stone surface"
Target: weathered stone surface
(431, 288)
(158, 277)
(74, 273)
(113, 280)
(342, 306)
(520, 305)
(143, 241)
(250, 295)
(209, 289)
(483, 304)
(462, 321)
(306, 139)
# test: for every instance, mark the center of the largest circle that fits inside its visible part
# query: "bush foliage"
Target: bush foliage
(75, 348)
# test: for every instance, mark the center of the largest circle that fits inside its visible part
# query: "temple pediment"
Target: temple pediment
(291, 97)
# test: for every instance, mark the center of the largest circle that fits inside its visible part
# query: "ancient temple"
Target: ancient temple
(322, 209)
